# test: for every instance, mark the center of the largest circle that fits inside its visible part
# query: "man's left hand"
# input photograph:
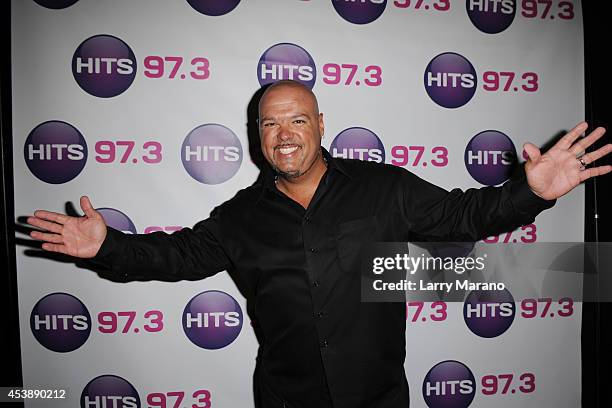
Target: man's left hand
(563, 167)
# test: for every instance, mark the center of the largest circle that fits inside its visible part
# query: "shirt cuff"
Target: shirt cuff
(109, 251)
(525, 201)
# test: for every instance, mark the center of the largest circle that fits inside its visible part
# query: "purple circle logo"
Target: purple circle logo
(56, 4)
(60, 322)
(361, 11)
(490, 157)
(211, 153)
(110, 391)
(117, 220)
(212, 319)
(213, 7)
(450, 80)
(489, 313)
(491, 17)
(104, 66)
(358, 143)
(286, 61)
(55, 152)
(449, 384)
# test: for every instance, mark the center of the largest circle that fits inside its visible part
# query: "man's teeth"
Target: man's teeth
(288, 150)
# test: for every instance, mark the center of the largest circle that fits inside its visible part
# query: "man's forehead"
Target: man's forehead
(283, 105)
(288, 94)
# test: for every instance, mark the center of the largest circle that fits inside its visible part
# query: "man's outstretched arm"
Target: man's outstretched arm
(186, 254)
(433, 213)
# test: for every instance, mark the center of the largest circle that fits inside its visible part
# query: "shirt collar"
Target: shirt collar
(333, 165)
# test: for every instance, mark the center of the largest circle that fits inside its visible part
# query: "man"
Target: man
(294, 240)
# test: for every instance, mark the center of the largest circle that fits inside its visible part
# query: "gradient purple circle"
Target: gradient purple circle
(449, 370)
(203, 158)
(358, 143)
(61, 339)
(489, 326)
(62, 165)
(213, 7)
(109, 386)
(117, 220)
(211, 337)
(361, 11)
(56, 4)
(293, 59)
(489, 145)
(111, 79)
(491, 20)
(449, 96)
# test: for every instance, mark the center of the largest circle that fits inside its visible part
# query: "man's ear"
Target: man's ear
(321, 125)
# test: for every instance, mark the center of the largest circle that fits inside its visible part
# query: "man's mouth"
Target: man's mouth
(287, 149)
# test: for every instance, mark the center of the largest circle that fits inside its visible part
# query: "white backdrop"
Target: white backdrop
(211, 69)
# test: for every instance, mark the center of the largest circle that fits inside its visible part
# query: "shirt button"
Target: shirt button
(320, 314)
(307, 219)
(313, 250)
(324, 344)
(315, 284)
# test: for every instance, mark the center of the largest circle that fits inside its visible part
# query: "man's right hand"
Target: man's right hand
(76, 236)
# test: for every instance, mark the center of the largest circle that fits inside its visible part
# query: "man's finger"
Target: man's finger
(47, 237)
(593, 172)
(583, 143)
(599, 153)
(566, 141)
(532, 151)
(51, 216)
(87, 207)
(55, 248)
(46, 225)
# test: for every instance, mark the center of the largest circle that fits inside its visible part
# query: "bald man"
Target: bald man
(294, 240)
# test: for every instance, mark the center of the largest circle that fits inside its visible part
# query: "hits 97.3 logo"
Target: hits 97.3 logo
(55, 152)
(60, 322)
(358, 143)
(490, 157)
(117, 220)
(109, 391)
(213, 7)
(359, 11)
(491, 16)
(104, 66)
(449, 384)
(450, 80)
(212, 319)
(489, 314)
(286, 61)
(211, 153)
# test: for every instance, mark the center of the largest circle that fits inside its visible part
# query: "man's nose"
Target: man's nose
(284, 133)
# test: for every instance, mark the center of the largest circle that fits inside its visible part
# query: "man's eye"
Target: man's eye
(268, 124)
(299, 121)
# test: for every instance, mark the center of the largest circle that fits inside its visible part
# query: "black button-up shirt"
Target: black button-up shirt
(320, 346)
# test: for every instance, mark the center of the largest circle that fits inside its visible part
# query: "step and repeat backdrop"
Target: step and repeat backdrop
(143, 105)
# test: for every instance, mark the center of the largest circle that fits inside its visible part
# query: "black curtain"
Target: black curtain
(595, 338)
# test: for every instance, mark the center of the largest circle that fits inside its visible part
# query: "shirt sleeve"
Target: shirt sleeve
(189, 254)
(433, 213)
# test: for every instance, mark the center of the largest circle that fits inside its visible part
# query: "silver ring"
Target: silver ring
(582, 162)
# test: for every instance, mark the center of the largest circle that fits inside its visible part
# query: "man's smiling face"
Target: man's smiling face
(290, 128)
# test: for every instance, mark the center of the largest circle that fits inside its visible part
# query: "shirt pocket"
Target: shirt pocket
(352, 236)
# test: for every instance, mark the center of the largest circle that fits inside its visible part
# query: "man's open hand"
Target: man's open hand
(75, 236)
(560, 169)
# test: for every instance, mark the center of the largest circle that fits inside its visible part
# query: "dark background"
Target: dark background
(596, 337)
